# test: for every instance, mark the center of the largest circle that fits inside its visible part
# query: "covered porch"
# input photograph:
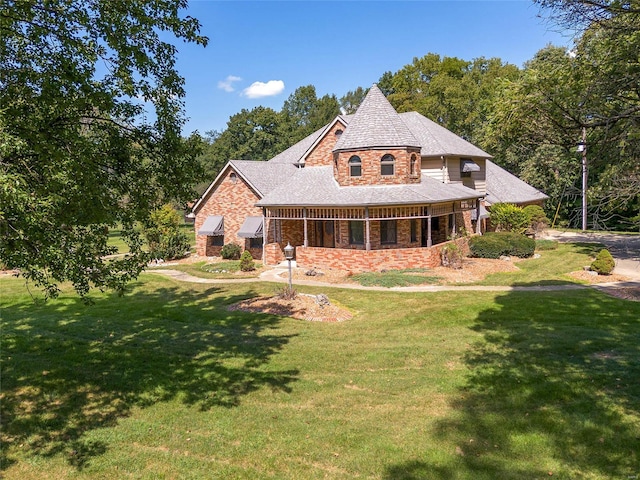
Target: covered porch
(367, 236)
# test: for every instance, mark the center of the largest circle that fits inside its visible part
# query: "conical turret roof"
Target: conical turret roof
(376, 124)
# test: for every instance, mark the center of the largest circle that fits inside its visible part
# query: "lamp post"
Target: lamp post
(582, 148)
(288, 254)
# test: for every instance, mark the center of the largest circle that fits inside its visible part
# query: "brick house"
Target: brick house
(369, 191)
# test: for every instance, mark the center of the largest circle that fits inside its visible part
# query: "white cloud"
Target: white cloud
(261, 89)
(227, 83)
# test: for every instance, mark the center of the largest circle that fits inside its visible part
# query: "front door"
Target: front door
(324, 234)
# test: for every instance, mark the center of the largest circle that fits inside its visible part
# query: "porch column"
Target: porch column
(429, 241)
(367, 232)
(478, 221)
(265, 235)
(304, 216)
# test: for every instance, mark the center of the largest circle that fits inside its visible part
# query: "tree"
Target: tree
(303, 113)
(350, 102)
(165, 239)
(76, 153)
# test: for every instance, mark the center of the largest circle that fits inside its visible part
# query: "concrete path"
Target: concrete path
(275, 275)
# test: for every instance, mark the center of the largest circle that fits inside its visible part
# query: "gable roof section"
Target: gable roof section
(262, 177)
(503, 187)
(315, 187)
(375, 124)
(295, 152)
(435, 140)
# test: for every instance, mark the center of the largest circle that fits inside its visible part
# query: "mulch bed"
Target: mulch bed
(302, 307)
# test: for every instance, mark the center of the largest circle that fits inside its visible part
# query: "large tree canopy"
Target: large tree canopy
(77, 153)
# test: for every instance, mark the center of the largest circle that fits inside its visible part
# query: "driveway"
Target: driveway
(624, 248)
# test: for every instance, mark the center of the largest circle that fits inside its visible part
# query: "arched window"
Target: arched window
(355, 166)
(387, 165)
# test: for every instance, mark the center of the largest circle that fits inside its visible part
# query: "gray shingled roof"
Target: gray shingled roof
(376, 124)
(294, 153)
(317, 187)
(435, 140)
(263, 176)
(503, 187)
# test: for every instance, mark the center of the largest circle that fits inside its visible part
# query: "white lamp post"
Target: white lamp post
(288, 254)
(582, 148)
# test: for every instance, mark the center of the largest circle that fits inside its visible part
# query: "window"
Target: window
(413, 166)
(388, 232)
(355, 166)
(233, 177)
(414, 230)
(356, 233)
(216, 241)
(387, 165)
(338, 133)
(255, 242)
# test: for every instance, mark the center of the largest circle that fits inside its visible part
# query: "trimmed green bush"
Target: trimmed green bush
(538, 220)
(246, 262)
(604, 263)
(497, 244)
(231, 251)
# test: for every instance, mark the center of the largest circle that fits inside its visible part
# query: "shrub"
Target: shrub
(231, 251)
(508, 217)
(163, 234)
(246, 262)
(538, 220)
(604, 263)
(452, 256)
(497, 244)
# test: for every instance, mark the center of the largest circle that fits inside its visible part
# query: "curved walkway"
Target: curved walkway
(273, 275)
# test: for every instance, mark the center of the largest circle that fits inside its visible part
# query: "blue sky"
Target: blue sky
(260, 52)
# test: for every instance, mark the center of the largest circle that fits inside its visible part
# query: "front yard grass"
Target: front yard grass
(165, 382)
(552, 268)
(396, 278)
(225, 269)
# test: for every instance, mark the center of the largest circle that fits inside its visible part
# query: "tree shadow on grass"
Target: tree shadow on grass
(69, 368)
(552, 389)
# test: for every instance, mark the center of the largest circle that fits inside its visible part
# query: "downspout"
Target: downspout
(304, 219)
(367, 229)
(265, 234)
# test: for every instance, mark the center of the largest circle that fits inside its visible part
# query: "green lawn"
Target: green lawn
(224, 269)
(550, 269)
(115, 239)
(166, 383)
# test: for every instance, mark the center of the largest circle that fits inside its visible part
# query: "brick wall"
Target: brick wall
(321, 155)
(235, 201)
(357, 261)
(371, 167)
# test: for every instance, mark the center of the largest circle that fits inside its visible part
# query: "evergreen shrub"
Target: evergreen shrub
(246, 262)
(497, 244)
(604, 263)
(231, 251)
